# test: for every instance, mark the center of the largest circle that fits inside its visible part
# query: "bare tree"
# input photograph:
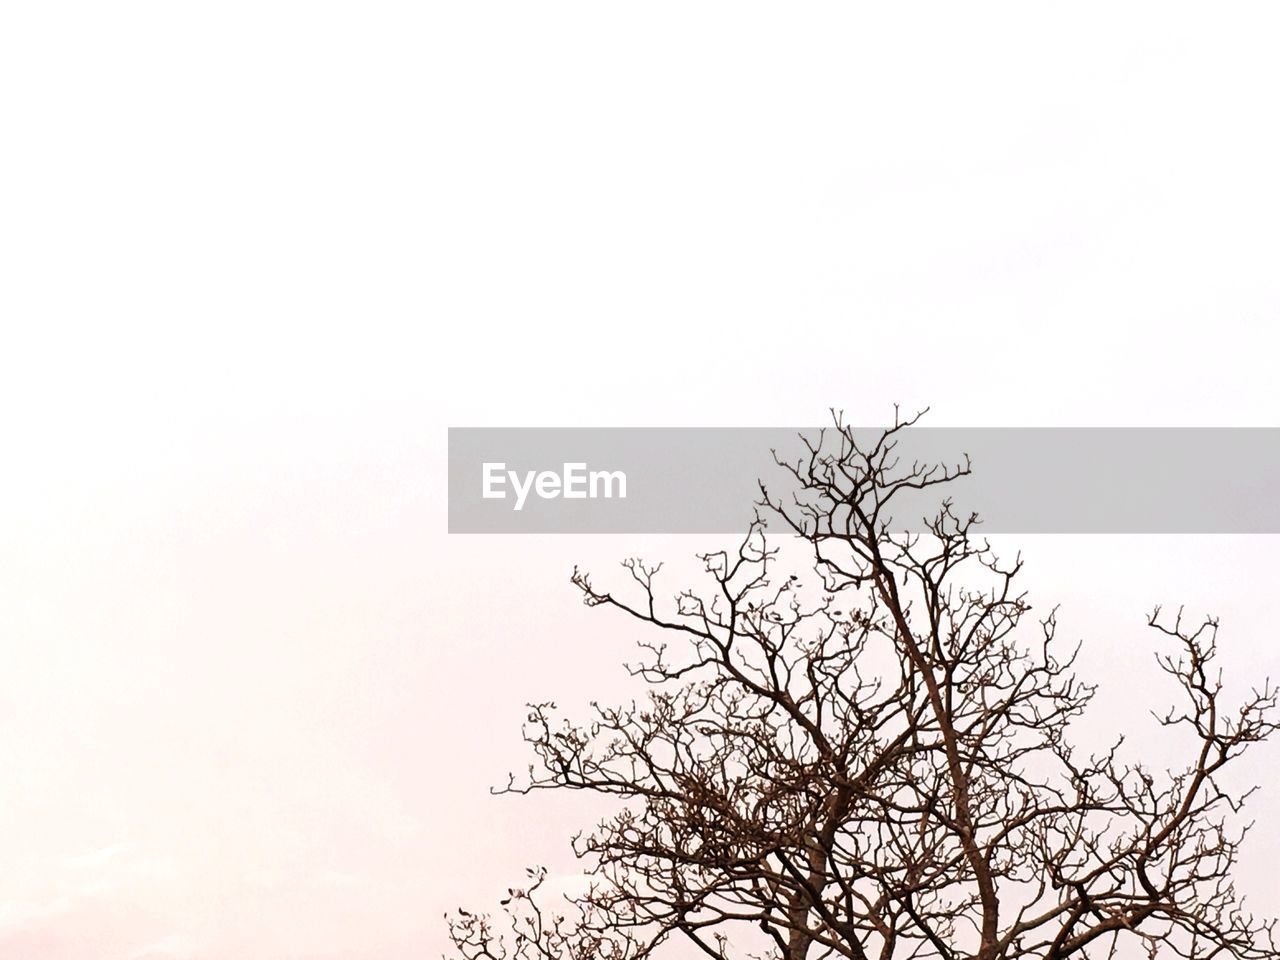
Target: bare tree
(867, 756)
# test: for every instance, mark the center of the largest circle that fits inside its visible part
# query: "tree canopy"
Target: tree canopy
(855, 743)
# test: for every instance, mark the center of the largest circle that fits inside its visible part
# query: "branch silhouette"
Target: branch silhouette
(853, 746)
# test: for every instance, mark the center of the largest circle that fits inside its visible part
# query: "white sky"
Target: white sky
(257, 257)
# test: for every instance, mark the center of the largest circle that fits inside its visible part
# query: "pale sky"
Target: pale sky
(258, 257)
